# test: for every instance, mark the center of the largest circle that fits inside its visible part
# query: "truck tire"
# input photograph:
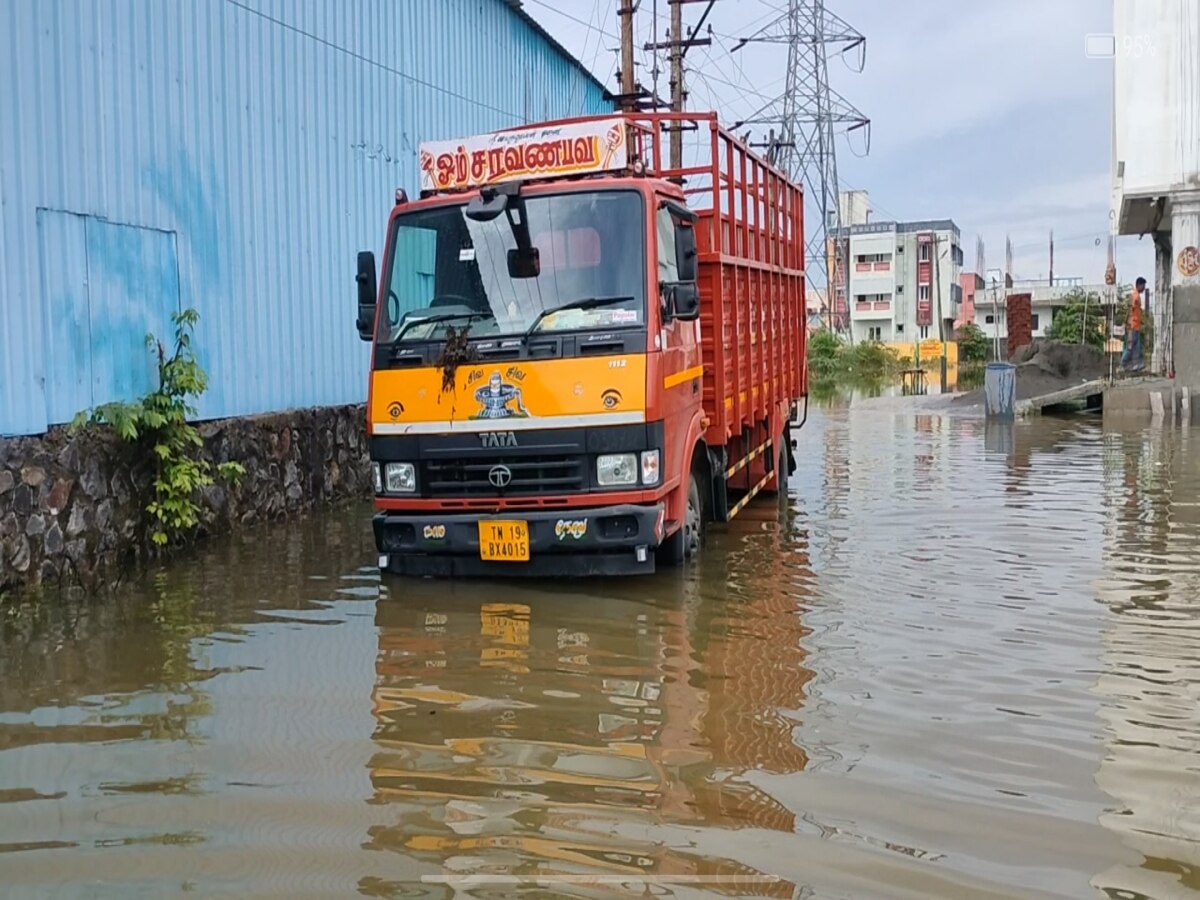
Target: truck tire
(781, 472)
(685, 543)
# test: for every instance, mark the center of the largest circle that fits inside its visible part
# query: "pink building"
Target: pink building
(970, 282)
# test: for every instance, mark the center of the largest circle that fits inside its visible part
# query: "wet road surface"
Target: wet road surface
(960, 661)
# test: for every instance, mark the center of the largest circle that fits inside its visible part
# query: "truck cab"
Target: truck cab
(535, 403)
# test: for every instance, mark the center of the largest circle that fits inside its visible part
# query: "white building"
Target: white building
(1045, 301)
(899, 279)
(1156, 162)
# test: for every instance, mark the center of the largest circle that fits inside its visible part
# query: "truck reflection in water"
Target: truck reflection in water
(579, 738)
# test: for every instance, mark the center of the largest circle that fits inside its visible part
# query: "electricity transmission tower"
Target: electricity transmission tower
(809, 114)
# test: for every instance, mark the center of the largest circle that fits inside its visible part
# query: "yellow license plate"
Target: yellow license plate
(504, 541)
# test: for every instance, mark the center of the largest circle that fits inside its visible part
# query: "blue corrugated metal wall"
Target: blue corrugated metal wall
(232, 156)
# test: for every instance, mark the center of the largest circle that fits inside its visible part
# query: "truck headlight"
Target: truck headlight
(400, 478)
(616, 468)
(378, 473)
(649, 467)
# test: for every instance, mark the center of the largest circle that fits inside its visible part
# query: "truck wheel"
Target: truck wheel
(781, 474)
(685, 543)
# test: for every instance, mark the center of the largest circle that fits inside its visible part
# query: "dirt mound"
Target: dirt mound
(1044, 367)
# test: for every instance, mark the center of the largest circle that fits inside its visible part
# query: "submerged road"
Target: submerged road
(959, 662)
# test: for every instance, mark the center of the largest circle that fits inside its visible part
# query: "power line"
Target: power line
(391, 70)
(567, 15)
(807, 113)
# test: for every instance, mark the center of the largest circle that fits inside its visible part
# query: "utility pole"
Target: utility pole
(937, 280)
(678, 45)
(676, 81)
(1051, 257)
(626, 12)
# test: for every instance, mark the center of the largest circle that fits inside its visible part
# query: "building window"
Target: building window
(989, 320)
(1034, 321)
(925, 253)
(875, 333)
(923, 292)
(924, 332)
(900, 329)
(899, 248)
(899, 289)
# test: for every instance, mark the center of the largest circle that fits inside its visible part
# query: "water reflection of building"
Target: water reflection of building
(1151, 662)
(548, 736)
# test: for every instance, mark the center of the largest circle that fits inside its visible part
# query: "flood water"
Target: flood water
(960, 662)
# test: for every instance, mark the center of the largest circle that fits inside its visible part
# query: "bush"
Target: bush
(872, 361)
(829, 358)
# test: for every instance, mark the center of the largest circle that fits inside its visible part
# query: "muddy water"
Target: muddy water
(960, 662)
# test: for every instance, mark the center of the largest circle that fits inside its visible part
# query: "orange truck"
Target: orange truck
(580, 357)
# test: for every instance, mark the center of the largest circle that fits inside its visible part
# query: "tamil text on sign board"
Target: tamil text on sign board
(553, 151)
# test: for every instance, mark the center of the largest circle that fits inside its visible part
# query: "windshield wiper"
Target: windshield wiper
(442, 317)
(582, 303)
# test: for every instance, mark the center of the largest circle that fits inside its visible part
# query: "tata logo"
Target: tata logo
(500, 476)
(497, 440)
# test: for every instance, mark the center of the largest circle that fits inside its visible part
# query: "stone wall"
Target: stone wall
(72, 507)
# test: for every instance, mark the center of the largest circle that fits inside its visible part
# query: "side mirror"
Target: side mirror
(524, 264)
(685, 301)
(685, 251)
(368, 291)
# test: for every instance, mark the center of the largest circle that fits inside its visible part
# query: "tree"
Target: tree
(1069, 320)
(972, 343)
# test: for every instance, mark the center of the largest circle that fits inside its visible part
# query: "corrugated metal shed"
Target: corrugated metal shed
(232, 156)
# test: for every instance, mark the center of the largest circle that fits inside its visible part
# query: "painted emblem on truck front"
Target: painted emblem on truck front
(499, 399)
(610, 398)
(396, 409)
(435, 532)
(495, 440)
(570, 528)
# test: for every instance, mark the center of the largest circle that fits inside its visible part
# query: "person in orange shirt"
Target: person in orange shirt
(1133, 359)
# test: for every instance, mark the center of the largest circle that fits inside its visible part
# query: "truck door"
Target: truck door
(679, 340)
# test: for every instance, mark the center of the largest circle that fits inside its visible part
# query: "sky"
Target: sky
(987, 113)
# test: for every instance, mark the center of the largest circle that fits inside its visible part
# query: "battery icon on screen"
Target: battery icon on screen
(1102, 46)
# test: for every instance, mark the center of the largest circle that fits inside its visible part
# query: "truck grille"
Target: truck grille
(555, 474)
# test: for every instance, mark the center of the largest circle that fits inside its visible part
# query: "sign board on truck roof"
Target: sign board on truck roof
(581, 148)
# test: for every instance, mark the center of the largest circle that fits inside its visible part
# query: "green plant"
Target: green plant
(973, 344)
(160, 421)
(872, 361)
(1080, 315)
(825, 355)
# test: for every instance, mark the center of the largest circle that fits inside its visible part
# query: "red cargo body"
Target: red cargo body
(750, 237)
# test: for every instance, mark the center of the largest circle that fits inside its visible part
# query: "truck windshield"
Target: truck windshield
(454, 271)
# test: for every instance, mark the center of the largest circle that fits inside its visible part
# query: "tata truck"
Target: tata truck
(580, 357)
